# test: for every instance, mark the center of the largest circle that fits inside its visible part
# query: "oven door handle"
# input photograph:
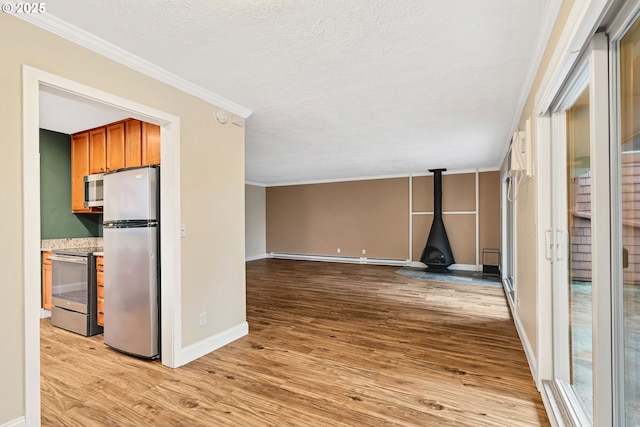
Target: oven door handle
(73, 259)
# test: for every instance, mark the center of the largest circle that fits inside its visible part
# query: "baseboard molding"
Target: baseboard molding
(528, 351)
(461, 267)
(207, 345)
(18, 422)
(44, 313)
(348, 260)
(256, 257)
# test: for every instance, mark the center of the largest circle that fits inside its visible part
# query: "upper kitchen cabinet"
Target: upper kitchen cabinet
(133, 143)
(122, 144)
(115, 146)
(150, 144)
(97, 150)
(79, 169)
(142, 144)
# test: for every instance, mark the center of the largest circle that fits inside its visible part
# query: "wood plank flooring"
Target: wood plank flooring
(329, 345)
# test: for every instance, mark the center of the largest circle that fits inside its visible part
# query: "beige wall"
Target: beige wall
(316, 219)
(525, 246)
(212, 174)
(489, 217)
(255, 221)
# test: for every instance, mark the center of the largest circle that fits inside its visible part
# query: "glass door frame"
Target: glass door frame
(626, 17)
(592, 69)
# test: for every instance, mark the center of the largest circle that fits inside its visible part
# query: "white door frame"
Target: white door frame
(171, 320)
(594, 72)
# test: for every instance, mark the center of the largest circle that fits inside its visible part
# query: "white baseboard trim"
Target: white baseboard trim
(528, 351)
(18, 422)
(44, 313)
(256, 257)
(348, 260)
(460, 267)
(207, 345)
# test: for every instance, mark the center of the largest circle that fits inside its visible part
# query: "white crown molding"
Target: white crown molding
(459, 171)
(83, 38)
(328, 181)
(370, 178)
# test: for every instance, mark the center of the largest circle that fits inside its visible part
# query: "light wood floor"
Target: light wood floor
(329, 345)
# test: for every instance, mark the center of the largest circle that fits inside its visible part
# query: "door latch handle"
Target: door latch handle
(548, 245)
(562, 245)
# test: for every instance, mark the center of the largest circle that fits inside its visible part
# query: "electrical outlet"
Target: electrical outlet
(338, 250)
(364, 252)
(203, 318)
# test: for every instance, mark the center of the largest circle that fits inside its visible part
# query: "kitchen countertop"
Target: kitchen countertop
(81, 242)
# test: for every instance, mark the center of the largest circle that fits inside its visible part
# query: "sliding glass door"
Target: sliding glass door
(580, 240)
(628, 211)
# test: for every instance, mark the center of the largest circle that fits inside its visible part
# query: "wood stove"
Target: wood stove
(437, 254)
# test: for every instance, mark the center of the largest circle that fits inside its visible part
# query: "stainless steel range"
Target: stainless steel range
(74, 290)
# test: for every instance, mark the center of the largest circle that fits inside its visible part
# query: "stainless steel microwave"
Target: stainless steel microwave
(93, 190)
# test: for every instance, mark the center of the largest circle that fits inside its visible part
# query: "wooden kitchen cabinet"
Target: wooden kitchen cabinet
(122, 144)
(97, 150)
(115, 146)
(142, 144)
(150, 144)
(46, 281)
(100, 283)
(79, 168)
(80, 147)
(133, 143)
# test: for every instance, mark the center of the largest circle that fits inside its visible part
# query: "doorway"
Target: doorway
(33, 80)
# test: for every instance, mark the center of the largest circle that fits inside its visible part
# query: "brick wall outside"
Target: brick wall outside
(631, 215)
(580, 235)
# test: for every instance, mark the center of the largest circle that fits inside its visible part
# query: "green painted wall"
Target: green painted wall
(56, 219)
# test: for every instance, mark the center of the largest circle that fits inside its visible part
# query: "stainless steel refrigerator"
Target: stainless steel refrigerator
(131, 261)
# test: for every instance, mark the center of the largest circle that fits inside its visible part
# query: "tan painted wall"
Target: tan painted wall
(212, 174)
(317, 219)
(525, 247)
(489, 219)
(255, 221)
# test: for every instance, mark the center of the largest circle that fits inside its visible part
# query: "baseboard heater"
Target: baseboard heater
(349, 260)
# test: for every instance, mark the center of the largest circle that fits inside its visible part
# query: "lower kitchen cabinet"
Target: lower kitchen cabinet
(100, 282)
(46, 281)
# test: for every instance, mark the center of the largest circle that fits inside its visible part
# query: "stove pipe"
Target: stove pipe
(437, 254)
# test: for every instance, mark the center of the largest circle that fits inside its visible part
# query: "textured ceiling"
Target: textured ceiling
(342, 89)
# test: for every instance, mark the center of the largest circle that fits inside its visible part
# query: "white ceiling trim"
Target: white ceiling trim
(370, 178)
(459, 171)
(551, 11)
(76, 35)
(585, 17)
